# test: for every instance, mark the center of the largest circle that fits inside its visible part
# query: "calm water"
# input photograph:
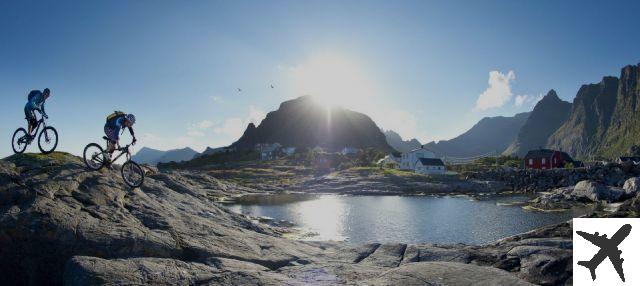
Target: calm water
(411, 219)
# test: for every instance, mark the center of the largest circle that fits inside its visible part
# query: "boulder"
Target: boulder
(596, 192)
(631, 186)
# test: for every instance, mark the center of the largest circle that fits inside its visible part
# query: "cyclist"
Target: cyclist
(35, 102)
(116, 122)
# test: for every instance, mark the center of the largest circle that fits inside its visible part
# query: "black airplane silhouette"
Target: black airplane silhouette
(608, 248)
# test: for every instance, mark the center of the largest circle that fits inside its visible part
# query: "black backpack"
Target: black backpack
(32, 94)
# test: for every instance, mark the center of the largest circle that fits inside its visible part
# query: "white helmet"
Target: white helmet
(131, 118)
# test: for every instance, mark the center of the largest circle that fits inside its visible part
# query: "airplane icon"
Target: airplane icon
(608, 248)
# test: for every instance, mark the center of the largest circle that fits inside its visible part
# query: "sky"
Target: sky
(426, 69)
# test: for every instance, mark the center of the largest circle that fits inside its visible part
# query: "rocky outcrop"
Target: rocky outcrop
(533, 180)
(624, 129)
(62, 224)
(596, 192)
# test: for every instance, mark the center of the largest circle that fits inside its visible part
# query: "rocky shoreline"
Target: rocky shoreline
(63, 225)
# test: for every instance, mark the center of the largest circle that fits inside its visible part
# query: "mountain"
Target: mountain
(624, 128)
(394, 140)
(209, 151)
(490, 134)
(581, 135)
(304, 123)
(152, 156)
(547, 116)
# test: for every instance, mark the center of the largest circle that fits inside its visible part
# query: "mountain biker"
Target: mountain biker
(115, 123)
(35, 102)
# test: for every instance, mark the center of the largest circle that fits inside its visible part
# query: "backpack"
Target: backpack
(115, 114)
(32, 94)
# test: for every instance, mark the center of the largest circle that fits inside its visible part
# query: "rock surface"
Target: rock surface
(62, 224)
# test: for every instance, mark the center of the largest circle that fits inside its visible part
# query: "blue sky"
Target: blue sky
(418, 67)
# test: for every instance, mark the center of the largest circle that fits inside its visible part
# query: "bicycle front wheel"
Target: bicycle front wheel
(19, 141)
(48, 140)
(132, 174)
(94, 156)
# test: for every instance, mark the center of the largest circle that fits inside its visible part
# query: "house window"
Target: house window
(530, 161)
(544, 161)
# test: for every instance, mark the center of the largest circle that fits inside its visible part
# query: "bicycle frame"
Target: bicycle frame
(40, 123)
(123, 151)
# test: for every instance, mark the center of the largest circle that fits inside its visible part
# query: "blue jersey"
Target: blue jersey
(36, 103)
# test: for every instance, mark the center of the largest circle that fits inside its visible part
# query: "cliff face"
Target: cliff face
(582, 134)
(490, 134)
(548, 114)
(303, 123)
(624, 128)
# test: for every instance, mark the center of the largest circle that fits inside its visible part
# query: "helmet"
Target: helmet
(46, 91)
(131, 118)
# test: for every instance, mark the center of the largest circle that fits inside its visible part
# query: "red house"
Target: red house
(546, 159)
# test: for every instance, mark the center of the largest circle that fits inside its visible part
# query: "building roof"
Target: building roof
(546, 153)
(431, 162)
(419, 149)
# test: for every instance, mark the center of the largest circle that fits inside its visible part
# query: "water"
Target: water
(405, 219)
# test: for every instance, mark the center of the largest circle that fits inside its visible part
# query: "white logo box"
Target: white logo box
(583, 250)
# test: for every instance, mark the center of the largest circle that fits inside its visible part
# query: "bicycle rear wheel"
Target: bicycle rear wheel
(132, 174)
(18, 141)
(48, 140)
(94, 156)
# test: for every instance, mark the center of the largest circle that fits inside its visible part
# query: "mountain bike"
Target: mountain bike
(95, 157)
(47, 139)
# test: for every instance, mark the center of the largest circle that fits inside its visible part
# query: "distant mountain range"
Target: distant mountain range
(152, 156)
(489, 135)
(603, 121)
(395, 141)
(304, 123)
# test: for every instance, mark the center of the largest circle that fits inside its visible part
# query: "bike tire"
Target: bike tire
(85, 156)
(20, 132)
(52, 132)
(133, 166)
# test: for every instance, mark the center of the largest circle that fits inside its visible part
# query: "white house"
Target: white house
(410, 159)
(431, 166)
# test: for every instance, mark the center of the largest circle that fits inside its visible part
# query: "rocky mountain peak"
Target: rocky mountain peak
(304, 123)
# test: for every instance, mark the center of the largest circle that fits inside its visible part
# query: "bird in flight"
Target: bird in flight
(239, 90)
(608, 248)
(272, 86)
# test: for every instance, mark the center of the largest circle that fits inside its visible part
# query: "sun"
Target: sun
(333, 80)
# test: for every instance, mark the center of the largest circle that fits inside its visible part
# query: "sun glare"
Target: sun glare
(333, 80)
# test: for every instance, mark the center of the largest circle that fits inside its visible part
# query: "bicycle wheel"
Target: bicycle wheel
(94, 156)
(132, 174)
(48, 140)
(18, 141)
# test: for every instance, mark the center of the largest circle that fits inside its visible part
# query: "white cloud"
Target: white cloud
(527, 100)
(499, 91)
(234, 127)
(197, 130)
